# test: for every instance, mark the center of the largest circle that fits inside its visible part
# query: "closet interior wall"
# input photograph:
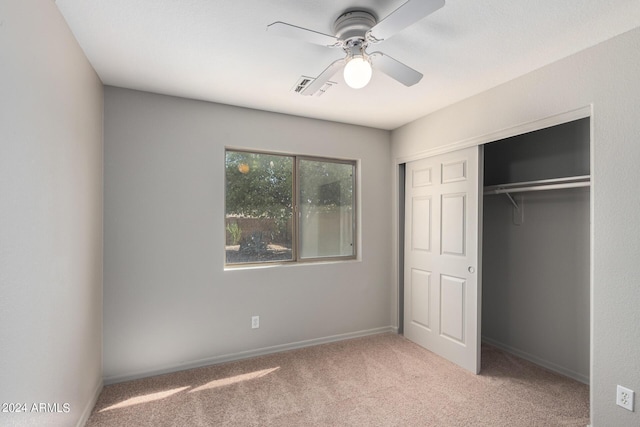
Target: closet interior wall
(536, 273)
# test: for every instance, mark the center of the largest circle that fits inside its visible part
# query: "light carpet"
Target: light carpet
(380, 380)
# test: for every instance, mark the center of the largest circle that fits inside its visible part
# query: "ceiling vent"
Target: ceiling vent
(305, 81)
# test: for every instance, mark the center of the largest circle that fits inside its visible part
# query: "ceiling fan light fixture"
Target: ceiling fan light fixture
(357, 72)
(354, 30)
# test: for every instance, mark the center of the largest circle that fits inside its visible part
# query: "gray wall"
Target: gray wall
(535, 279)
(168, 301)
(604, 77)
(50, 217)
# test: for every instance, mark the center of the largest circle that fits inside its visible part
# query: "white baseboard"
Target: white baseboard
(86, 413)
(246, 354)
(538, 361)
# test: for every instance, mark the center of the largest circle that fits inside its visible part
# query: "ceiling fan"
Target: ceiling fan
(354, 32)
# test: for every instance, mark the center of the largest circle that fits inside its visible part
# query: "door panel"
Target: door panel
(453, 224)
(454, 171)
(421, 230)
(442, 311)
(421, 290)
(422, 177)
(452, 290)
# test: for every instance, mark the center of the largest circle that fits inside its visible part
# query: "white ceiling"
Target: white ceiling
(220, 51)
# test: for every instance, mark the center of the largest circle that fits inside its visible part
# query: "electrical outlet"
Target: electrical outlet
(255, 322)
(624, 398)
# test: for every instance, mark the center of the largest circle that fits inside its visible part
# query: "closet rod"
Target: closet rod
(547, 184)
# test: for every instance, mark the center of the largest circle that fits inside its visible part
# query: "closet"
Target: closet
(536, 247)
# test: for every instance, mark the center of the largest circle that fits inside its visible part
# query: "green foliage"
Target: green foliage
(265, 188)
(236, 233)
(261, 185)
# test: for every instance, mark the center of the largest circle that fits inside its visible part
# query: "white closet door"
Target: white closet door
(441, 289)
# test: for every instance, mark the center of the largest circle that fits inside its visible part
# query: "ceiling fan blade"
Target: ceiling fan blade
(324, 77)
(294, 32)
(404, 16)
(395, 69)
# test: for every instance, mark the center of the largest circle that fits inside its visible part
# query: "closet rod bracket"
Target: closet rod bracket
(513, 202)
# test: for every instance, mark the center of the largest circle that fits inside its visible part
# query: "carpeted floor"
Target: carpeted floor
(381, 380)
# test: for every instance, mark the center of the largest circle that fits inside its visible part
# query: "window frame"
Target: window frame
(296, 220)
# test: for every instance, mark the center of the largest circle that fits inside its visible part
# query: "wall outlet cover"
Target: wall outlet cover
(625, 397)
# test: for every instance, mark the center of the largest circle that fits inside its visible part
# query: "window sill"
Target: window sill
(249, 266)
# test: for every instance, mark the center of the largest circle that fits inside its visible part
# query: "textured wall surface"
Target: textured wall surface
(50, 218)
(168, 300)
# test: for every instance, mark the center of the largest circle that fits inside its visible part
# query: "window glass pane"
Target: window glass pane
(326, 209)
(259, 206)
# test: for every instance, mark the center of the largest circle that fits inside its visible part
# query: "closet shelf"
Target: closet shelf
(544, 184)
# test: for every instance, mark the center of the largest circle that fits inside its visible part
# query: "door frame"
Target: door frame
(398, 211)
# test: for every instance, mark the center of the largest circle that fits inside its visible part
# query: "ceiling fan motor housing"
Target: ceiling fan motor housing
(353, 25)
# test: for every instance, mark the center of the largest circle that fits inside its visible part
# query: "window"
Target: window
(264, 190)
